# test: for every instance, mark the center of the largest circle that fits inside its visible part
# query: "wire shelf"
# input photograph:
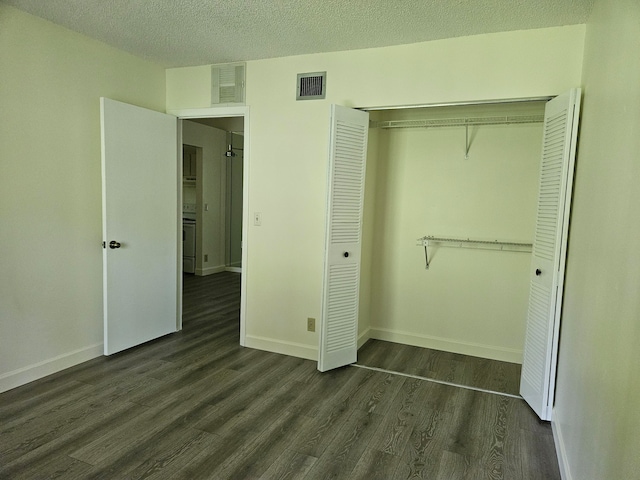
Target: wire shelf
(428, 241)
(458, 122)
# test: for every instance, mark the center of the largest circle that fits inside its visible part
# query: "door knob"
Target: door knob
(114, 244)
(538, 272)
(346, 254)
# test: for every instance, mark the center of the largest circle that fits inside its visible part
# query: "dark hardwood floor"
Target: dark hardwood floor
(481, 373)
(197, 405)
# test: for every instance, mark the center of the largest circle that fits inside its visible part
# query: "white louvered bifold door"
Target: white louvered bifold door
(347, 161)
(537, 382)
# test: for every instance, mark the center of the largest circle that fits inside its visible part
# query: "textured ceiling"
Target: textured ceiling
(197, 32)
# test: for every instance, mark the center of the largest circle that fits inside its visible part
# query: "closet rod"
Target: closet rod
(428, 241)
(461, 104)
(457, 122)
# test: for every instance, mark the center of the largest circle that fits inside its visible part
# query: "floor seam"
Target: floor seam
(442, 382)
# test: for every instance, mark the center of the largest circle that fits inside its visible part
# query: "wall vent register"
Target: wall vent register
(227, 84)
(311, 86)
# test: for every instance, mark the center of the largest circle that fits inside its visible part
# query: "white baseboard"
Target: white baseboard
(233, 269)
(363, 337)
(27, 374)
(447, 345)
(209, 270)
(561, 450)
(278, 346)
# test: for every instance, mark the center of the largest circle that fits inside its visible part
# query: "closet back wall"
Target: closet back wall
(469, 301)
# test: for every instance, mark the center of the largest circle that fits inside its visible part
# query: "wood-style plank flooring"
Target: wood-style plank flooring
(197, 405)
(449, 367)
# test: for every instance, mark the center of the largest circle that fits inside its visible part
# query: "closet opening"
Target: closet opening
(468, 176)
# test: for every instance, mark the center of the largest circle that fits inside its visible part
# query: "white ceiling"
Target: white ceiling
(198, 32)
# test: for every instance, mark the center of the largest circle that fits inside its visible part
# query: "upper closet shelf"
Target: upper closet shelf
(457, 122)
(429, 241)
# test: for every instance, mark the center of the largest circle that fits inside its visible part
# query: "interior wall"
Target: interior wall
(596, 417)
(210, 195)
(469, 301)
(289, 144)
(50, 188)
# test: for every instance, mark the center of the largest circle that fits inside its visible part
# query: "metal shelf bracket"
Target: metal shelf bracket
(466, 152)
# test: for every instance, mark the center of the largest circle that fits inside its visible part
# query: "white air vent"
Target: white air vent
(227, 83)
(311, 85)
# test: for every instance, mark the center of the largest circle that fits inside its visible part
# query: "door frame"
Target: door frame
(219, 112)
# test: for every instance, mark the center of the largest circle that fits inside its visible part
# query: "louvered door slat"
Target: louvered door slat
(339, 326)
(549, 251)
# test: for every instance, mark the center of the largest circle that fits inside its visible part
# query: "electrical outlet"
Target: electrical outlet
(311, 324)
(206, 257)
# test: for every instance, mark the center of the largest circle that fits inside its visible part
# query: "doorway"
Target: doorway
(546, 271)
(231, 119)
(233, 211)
(429, 174)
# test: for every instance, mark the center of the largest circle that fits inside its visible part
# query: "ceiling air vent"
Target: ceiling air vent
(311, 85)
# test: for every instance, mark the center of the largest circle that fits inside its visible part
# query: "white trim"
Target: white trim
(561, 451)
(233, 269)
(278, 346)
(209, 270)
(364, 337)
(448, 345)
(103, 175)
(239, 111)
(211, 112)
(39, 370)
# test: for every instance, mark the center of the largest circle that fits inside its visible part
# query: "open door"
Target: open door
(347, 162)
(537, 383)
(140, 224)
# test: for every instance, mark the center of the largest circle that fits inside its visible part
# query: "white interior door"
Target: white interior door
(347, 162)
(537, 383)
(140, 224)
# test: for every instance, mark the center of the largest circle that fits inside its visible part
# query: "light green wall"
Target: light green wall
(50, 189)
(188, 87)
(596, 413)
(469, 301)
(289, 143)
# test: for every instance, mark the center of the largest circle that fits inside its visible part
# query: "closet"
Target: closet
(515, 186)
(494, 181)
(457, 172)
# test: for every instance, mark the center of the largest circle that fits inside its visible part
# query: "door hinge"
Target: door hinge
(104, 244)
